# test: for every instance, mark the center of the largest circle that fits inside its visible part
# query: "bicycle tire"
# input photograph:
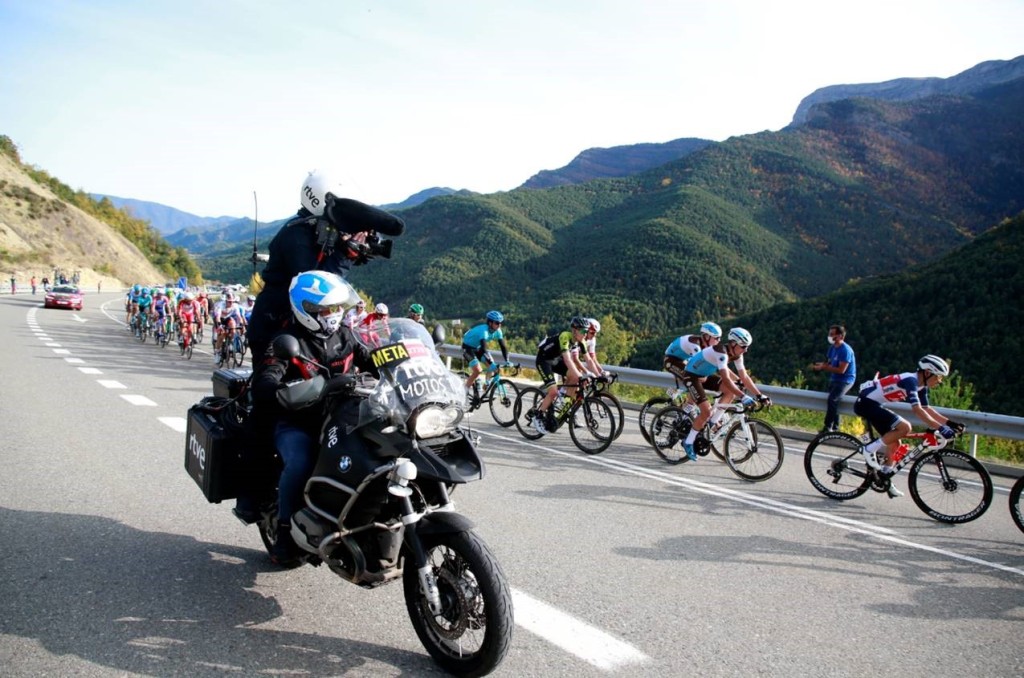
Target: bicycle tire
(238, 353)
(647, 412)
(502, 403)
(835, 467)
(188, 351)
(1016, 510)
(616, 409)
(668, 430)
(592, 425)
(757, 459)
(526, 405)
(950, 486)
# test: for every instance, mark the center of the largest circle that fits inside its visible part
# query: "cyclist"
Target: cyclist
(708, 369)
(907, 387)
(247, 309)
(226, 319)
(355, 315)
(144, 304)
(680, 350)
(131, 303)
(474, 345)
(187, 311)
(416, 313)
(555, 356)
(202, 310)
(588, 350)
(161, 311)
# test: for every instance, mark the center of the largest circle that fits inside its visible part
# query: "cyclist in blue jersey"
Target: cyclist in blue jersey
(131, 303)
(161, 309)
(907, 387)
(474, 345)
(226, 319)
(709, 369)
(680, 350)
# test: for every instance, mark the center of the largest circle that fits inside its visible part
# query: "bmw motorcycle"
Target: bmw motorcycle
(389, 516)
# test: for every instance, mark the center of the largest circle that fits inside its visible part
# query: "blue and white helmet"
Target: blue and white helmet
(711, 329)
(319, 301)
(741, 336)
(495, 316)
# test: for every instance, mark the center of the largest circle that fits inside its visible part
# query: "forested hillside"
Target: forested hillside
(965, 306)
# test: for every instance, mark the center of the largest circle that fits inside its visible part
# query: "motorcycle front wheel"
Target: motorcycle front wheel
(473, 631)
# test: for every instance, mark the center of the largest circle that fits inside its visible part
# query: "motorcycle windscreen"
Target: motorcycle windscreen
(411, 372)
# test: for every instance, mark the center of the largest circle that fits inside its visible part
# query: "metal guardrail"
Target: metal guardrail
(978, 423)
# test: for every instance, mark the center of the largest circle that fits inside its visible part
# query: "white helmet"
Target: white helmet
(314, 292)
(594, 325)
(741, 337)
(315, 188)
(381, 309)
(934, 364)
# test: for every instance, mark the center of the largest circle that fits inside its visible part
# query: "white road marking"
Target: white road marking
(53, 345)
(138, 400)
(791, 510)
(61, 351)
(177, 423)
(110, 383)
(590, 644)
(81, 320)
(75, 361)
(88, 370)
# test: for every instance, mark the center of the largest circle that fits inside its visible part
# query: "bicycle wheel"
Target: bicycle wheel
(615, 407)
(188, 351)
(503, 403)
(238, 352)
(647, 412)
(950, 486)
(1016, 510)
(668, 430)
(753, 450)
(592, 425)
(527, 402)
(835, 467)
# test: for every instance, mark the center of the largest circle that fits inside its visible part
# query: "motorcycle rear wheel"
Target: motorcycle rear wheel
(473, 632)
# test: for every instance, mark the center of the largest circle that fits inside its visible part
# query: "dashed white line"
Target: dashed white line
(53, 345)
(74, 361)
(177, 423)
(590, 644)
(138, 400)
(61, 351)
(110, 383)
(88, 370)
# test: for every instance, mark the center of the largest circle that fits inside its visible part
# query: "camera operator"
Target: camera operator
(329, 233)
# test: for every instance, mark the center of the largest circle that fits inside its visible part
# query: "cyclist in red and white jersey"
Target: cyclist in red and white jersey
(906, 387)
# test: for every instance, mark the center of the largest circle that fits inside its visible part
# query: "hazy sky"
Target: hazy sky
(198, 104)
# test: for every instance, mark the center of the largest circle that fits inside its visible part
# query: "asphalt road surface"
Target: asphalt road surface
(114, 564)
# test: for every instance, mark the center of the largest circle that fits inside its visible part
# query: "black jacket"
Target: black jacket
(295, 249)
(340, 354)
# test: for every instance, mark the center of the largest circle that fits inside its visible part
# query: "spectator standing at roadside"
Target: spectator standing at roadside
(32, 282)
(842, 366)
(13, 283)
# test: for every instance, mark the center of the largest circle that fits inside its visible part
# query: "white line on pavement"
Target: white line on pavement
(177, 423)
(794, 511)
(572, 635)
(75, 361)
(89, 370)
(110, 383)
(138, 400)
(61, 351)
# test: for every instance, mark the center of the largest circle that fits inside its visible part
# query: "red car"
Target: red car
(63, 296)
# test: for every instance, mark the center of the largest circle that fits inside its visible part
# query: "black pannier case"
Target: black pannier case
(229, 383)
(212, 456)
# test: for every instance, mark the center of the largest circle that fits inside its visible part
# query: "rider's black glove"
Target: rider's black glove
(956, 426)
(339, 384)
(764, 400)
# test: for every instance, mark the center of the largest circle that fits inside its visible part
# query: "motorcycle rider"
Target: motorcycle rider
(326, 234)
(318, 303)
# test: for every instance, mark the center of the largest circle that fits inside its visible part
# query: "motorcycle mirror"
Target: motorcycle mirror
(285, 347)
(438, 334)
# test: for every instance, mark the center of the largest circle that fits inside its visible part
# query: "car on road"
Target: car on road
(63, 296)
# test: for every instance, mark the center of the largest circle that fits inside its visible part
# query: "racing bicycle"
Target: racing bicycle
(947, 484)
(1016, 509)
(752, 448)
(499, 393)
(591, 422)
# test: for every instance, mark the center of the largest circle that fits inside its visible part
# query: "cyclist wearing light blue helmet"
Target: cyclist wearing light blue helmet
(474, 345)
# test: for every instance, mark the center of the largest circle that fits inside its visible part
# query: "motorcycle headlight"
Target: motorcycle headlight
(435, 420)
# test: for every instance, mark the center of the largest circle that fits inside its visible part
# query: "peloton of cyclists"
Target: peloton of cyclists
(708, 369)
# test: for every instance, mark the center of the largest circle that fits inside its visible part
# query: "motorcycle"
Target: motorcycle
(390, 516)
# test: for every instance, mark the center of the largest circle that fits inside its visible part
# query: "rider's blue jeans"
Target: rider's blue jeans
(298, 452)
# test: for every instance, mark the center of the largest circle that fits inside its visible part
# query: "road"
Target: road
(114, 564)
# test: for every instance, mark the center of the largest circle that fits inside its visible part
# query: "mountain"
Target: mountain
(982, 76)
(39, 232)
(229, 235)
(423, 196)
(163, 218)
(618, 161)
(964, 306)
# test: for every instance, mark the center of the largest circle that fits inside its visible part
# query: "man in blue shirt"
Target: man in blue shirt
(842, 365)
